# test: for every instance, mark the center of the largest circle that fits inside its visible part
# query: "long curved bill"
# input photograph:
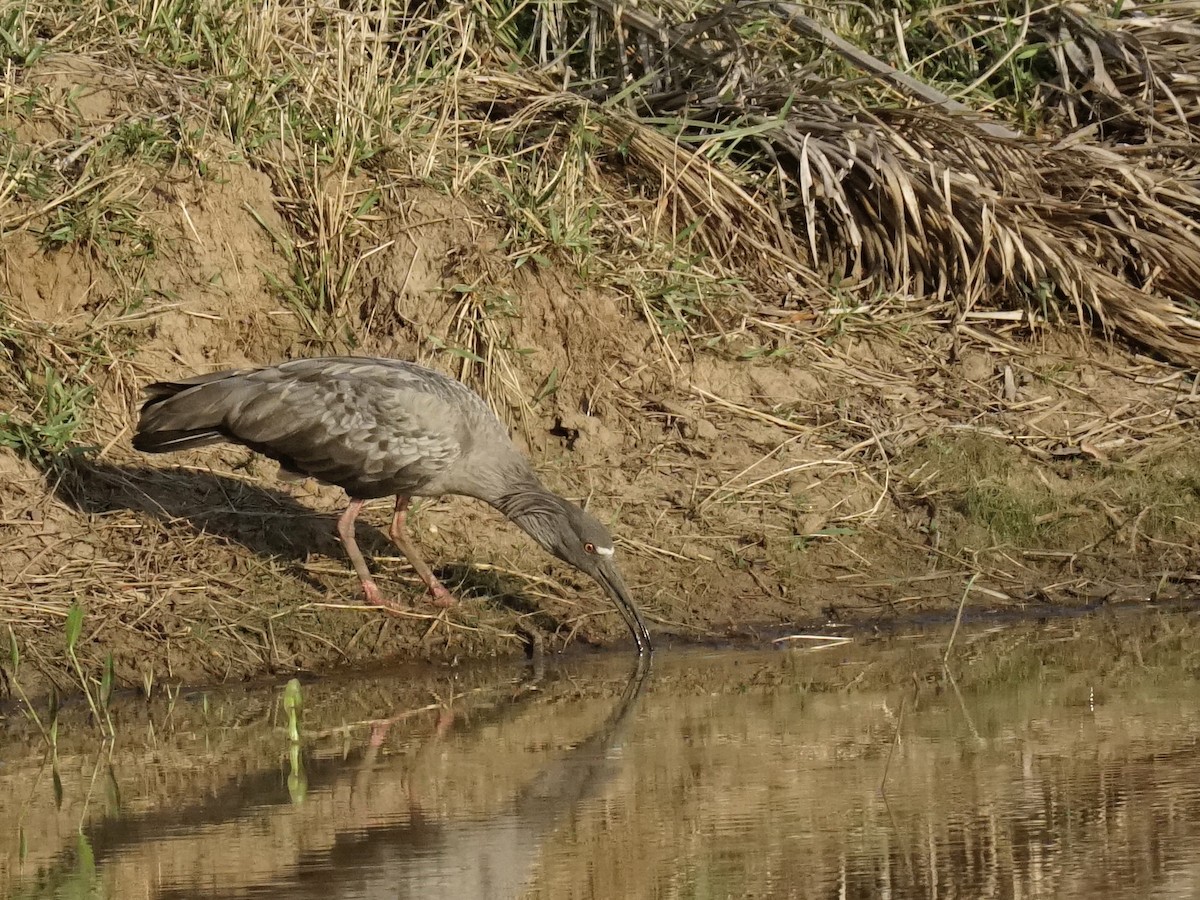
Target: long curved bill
(608, 576)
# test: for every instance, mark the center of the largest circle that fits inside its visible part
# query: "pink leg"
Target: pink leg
(445, 719)
(400, 537)
(378, 734)
(345, 531)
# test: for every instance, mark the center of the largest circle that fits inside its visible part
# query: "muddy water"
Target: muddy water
(1048, 760)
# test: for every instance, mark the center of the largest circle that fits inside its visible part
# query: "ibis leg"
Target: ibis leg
(402, 539)
(345, 531)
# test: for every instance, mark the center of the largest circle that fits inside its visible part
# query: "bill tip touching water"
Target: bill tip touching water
(377, 428)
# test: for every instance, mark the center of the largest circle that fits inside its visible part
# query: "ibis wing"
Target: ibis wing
(369, 437)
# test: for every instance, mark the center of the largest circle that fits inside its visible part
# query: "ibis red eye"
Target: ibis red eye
(589, 547)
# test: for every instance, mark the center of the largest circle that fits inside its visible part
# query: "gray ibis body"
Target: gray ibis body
(379, 428)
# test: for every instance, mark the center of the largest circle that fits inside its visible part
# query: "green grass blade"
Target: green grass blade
(74, 625)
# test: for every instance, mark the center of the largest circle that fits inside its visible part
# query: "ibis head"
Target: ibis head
(579, 539)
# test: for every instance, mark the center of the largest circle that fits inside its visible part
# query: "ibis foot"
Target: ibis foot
(372, 595)
(374, 598)
(441, 596)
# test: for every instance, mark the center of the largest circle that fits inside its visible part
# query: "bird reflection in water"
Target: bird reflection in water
(378, 850)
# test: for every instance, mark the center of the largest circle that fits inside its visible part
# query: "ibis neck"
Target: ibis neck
(494, 474)
(528, 499)
(535, 510)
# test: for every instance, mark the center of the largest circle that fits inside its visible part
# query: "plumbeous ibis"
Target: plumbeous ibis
(376, 428)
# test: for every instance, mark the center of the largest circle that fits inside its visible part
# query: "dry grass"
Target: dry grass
(795, 188)
(780, 190)
(787, 189)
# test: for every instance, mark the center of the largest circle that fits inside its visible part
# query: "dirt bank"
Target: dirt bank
(764, 460)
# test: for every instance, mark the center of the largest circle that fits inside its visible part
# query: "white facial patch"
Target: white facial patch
(604, 551)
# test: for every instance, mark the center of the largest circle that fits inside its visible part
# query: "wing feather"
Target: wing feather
(370, 436)
(372, 426)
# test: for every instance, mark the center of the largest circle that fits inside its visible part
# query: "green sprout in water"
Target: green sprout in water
(14, 656)
(297, 781)
(293, 700)
(74, 628)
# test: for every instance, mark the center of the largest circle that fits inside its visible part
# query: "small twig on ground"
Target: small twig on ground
(829, 640)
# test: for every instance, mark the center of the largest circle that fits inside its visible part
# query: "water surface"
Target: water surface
(1048, 760)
